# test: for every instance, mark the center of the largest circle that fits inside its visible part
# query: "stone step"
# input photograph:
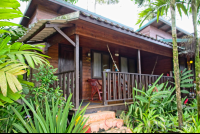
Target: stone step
(104, 125)
(95, 117)
(118, 130)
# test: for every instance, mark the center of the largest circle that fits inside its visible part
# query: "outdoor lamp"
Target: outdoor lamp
(88, 54)
(116, 53)
(191, 61)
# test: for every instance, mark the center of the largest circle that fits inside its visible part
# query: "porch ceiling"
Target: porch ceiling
(41, 35)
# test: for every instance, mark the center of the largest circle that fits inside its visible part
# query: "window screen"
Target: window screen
(124, 64)
(97, 65)
(131, 66)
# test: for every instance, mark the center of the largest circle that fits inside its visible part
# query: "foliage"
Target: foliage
(156, 109)
(160, 8)
(54, 121)
(12, 63)
(71, 1)
(150, 123)
(45, 78)
(107, 1)
(9, 117)
(9, 9)
(14, 56)
(185, 81)
(193, 127)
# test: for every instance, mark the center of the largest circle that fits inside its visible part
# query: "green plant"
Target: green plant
(13, 56)
(194, 127)
(150, 122)
(54, 121)
(9, 117)
(45, 78)
(12, 67)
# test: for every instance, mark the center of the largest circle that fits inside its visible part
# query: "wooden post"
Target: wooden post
(139, 68)
(104, 89)
(76, 66)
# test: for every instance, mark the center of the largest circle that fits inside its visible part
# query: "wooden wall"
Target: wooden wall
(146, 31)
(164, 64)
(155, 31)
(53, 53)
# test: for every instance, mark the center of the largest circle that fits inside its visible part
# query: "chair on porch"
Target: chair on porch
(96, 88)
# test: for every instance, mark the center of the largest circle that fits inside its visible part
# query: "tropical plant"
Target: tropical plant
(14, 56)
(9, 9)
(54, 121)
(45, 78)
(195, 8)
(193, 127)
(9, 117)
(150, 122)
(161, 7)
(12, 63)
(186, 81)
(71, 1)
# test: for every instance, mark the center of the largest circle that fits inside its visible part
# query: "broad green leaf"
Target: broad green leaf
(141, 98)
(10, 82)
(6, 99)
(187, 85)
(184, 91)
(3, 83)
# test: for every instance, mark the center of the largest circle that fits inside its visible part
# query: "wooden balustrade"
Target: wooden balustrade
(118, 86)
(66, 82)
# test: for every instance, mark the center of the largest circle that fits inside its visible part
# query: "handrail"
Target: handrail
(118, 86)
(134, 74)
(64, 72)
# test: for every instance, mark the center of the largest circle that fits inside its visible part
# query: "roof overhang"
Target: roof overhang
(39, 31)
(164, 25)
(42, 29)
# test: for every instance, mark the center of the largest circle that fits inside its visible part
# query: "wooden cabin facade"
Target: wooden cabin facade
(76, 40)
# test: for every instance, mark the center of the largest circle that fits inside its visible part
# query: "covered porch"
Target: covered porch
(77, 45)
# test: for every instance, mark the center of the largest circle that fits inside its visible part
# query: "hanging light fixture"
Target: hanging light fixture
(116, 53)
(191, 61)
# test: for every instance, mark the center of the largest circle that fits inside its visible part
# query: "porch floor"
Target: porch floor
(98, 106)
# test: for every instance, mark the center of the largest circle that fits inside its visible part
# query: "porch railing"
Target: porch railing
(118, 86)
(66, 82)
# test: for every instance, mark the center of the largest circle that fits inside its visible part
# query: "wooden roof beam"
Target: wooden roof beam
(65, 36)
(169, 29)
(52, 25)
(162, 25)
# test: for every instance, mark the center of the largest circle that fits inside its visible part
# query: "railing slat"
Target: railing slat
(128, 85)
(119, 86)
(64, 86)
(114, 87)
(109, 95)
(124, 86)
(73, 87)
(104, 88)
(68, 84)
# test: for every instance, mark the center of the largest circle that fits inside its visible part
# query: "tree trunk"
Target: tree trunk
(197, 64)
(176, 64)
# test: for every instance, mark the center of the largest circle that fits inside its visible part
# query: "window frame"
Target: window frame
(128, 58)
(159, 37)
(92, 62)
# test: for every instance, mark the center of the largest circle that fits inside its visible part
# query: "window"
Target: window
(124, 64)
(128, 65)
(101, 61)
(159, 37)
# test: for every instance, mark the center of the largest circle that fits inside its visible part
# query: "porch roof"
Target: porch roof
(39, 32)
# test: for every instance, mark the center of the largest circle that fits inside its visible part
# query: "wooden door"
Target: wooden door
(66, 58)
